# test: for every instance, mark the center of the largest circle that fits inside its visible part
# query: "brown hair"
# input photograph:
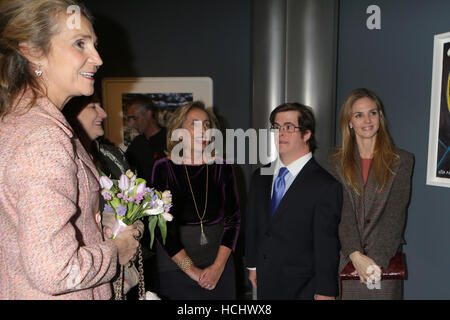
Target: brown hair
(306, 120)
(34, 22)
(178, 117)
(384, 152)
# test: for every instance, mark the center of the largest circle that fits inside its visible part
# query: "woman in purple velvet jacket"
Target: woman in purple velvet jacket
(196, 260)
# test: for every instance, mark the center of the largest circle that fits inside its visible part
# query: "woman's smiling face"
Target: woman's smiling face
(70, 66)
(197, 123)
(365, 118)
(91, 119)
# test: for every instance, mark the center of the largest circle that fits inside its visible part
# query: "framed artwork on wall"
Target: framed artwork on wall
(438, 167)
(167, 93)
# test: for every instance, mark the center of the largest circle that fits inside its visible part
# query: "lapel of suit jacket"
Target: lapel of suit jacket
(374, 200)
(292, 194)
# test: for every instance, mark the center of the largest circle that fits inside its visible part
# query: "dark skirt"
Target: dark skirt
(355, 290)
(174, 284)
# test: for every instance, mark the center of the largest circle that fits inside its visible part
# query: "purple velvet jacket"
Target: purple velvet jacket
(223, 199)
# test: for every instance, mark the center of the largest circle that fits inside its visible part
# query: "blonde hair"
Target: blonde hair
(178, 117)
(384, 151)
(34, 22)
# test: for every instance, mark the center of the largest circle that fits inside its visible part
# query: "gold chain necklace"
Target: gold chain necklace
(203, 239)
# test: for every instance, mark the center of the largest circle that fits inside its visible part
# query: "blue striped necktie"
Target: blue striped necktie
(278, 190)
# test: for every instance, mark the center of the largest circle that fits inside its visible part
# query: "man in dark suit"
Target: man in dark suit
(292, 246)
(150, 145)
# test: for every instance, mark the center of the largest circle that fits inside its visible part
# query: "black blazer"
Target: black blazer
(296, 251)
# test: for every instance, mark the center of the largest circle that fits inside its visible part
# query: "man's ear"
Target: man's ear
(306, 135)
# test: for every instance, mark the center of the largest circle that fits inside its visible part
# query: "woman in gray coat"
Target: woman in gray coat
(377, 180)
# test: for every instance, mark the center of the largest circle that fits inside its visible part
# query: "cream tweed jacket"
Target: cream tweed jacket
(51, 243)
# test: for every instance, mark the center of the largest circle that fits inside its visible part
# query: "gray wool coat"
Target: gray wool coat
(374, 222)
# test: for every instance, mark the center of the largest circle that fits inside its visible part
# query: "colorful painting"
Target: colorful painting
(438, 167)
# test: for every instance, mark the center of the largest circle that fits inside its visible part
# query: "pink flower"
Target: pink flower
(106, 195)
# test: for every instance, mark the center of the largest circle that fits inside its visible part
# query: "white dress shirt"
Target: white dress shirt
(293, 170)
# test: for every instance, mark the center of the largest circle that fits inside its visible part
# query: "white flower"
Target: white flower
(106, 182)
(158, 209)
(167, 216)
(124, 183)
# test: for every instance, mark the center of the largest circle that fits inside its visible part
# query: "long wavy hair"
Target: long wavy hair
(34, 22)
(384, 151)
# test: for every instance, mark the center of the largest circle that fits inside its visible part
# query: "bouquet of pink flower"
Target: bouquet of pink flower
(130, 199)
